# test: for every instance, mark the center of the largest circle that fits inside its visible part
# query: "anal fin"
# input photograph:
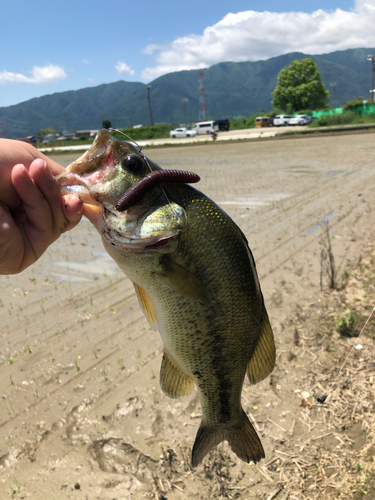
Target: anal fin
(262, 361)
(173, 382)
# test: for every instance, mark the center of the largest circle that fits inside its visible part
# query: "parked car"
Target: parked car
(182, 132)
(205, 127)
(300, 120)
(263, 121)
(281, 120)
(223, 125)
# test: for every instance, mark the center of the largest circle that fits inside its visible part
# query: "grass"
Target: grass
(242, 123)
(345, 323)
(15, 489)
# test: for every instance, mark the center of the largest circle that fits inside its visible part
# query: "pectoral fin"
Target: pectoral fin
(262, 361)
(173, 382)
(184, 282)
(147, 306)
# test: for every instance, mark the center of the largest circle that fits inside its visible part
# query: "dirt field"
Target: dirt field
(82, 415)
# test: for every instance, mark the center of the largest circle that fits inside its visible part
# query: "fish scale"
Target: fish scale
(197, 284)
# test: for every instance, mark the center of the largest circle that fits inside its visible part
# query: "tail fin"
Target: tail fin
(241, 437)
(205, 440)
(244, 441)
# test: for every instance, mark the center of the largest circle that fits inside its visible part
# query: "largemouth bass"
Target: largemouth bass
(196, 282)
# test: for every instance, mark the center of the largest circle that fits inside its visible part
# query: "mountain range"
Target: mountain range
(231, 89)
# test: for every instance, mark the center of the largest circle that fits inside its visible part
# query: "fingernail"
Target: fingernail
(46, 169)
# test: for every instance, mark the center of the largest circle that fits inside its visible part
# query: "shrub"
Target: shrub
(345, 324)
(147, 132)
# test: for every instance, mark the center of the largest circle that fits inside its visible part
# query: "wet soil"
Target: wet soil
(82, 414)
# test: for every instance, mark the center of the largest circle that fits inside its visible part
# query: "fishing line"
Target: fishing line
(161, 187)
(146, 160)
(123, 133)
(323, 397)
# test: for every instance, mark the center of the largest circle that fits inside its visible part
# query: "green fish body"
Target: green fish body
(196, 282)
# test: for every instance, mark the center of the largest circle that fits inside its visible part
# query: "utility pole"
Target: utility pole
(184, 100)
(333, 85)
(372, 59)
(65, 123)
(149, 103)
(202, 105)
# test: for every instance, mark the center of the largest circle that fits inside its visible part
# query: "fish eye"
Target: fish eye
(132, 164)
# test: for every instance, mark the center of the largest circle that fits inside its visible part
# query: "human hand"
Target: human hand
(33, 214)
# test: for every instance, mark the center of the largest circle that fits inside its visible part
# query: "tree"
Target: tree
(300, 87)
(46, 131)
(106, 124)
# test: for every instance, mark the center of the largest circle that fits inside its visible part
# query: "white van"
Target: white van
(205, 127)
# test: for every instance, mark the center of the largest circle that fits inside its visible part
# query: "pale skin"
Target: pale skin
(33, 213)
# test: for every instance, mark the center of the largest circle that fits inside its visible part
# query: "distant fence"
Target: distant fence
(361, 110)
(365, 110)
(334, 111)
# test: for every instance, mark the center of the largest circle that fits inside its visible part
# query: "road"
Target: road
(232, 135)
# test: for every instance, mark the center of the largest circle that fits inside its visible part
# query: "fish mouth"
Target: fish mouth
(132, 241)
(89, 169)
(158, 244)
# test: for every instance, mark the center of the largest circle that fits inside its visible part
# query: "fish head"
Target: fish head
(101, 176)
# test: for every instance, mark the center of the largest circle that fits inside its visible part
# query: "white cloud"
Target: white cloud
(39, 74)
(251, 36)
(123, 69)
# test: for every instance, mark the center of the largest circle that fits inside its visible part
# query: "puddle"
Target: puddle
(72, 278)
(333, 173)
(320, 223)
(301, 169)
(308, 170)
(101, 264)
(352, 172)
(259, 200)
(77, 271)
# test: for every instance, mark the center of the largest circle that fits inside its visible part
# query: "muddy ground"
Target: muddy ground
(82, 415)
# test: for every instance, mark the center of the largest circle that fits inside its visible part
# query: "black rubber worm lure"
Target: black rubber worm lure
(150, 180)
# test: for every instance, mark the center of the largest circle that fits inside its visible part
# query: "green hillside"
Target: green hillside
(231, 89)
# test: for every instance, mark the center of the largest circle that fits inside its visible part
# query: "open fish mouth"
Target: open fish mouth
(72, 184)
(158, 244)
(132, 239)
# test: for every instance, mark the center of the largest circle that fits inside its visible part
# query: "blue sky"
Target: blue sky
(54, 46)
